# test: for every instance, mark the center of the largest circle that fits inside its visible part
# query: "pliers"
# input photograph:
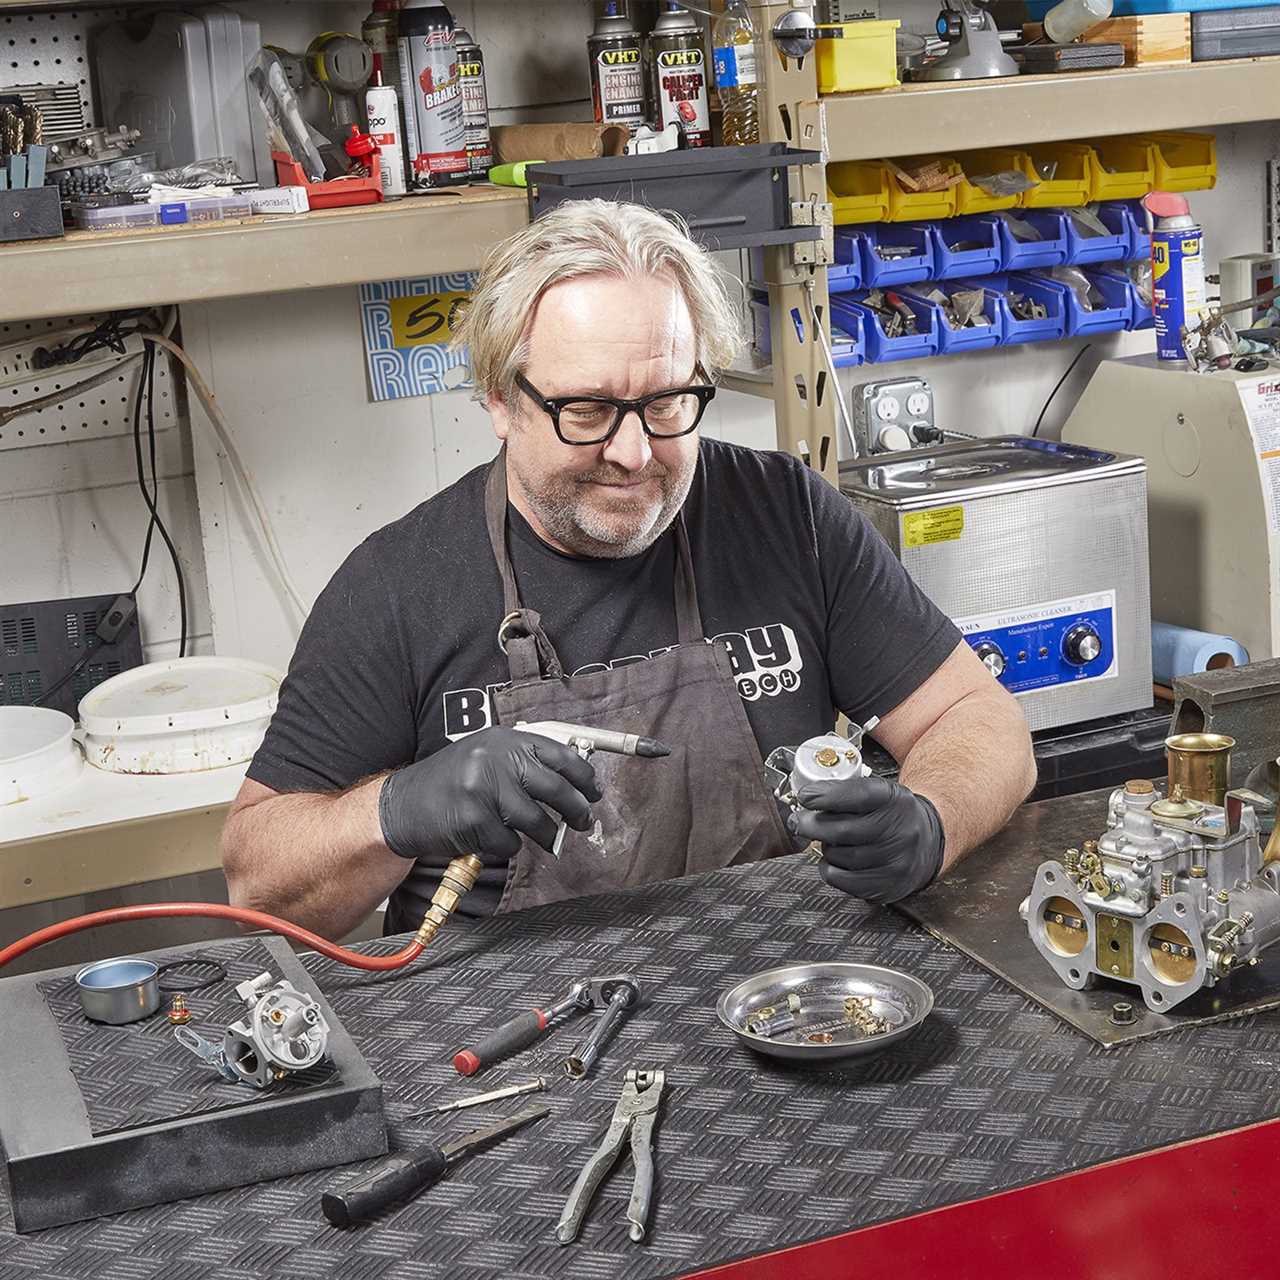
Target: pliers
(636, 1112)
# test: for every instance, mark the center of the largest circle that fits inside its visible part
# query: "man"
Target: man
(579, 578)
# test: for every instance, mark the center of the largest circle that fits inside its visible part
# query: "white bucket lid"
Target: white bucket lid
(179, 695)
(37, 754)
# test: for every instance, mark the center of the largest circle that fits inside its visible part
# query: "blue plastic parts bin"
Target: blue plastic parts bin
(843, 276)
(956, 264)
(952, 341)
(1022, 255)
(1128, 8)
(847, 342)
(1013, 330)
(1085, 249)
(1128, 218)
(876, 271)
(880, 349)
(1080, 321)
(1140, 314)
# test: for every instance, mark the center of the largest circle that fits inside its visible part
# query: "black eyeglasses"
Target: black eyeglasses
(596, 419)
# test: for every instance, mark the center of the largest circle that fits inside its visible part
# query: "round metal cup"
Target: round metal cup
(118, 991)
(903, 1001)
(1200, 763)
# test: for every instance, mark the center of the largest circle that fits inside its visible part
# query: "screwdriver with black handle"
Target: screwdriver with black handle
(400, 1176)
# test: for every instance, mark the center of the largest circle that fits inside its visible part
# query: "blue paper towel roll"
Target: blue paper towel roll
(1179, 651)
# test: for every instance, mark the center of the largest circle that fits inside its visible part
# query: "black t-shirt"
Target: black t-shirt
(400, 652)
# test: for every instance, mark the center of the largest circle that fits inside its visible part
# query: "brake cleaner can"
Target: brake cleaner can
(475, 105)
(432, 92)
(1177, 271)
(617, 68)
(678, 75)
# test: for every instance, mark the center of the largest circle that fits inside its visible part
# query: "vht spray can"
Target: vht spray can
(1177, 271)
(617, 72)
(475, 105)
(678, 75)
(432, 91)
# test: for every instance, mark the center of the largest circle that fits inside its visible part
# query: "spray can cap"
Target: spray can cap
(359, 144)
(1166, 204)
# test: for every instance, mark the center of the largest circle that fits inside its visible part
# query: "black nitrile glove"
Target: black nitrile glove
(479, 794)
(880, 841)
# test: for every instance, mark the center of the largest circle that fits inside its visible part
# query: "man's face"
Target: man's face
(601, 336)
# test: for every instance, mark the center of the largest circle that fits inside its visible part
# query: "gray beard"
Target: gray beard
(565, 516)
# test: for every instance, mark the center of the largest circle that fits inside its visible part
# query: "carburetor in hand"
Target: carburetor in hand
(826, 758)
(1173, 897)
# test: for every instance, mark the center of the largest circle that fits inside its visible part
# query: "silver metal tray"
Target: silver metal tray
(821, 1012)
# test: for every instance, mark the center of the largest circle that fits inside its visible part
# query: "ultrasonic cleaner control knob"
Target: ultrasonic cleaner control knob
(1082, 644)
(991, 657)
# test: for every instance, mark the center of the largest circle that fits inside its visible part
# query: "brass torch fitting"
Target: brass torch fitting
(459, 878)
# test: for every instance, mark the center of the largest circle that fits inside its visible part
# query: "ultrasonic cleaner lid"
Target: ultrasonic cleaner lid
(977, 469)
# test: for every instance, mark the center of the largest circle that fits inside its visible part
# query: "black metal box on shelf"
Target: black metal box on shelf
(34, 213)
(731, 197)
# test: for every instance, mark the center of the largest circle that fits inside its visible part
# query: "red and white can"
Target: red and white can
(432, 90)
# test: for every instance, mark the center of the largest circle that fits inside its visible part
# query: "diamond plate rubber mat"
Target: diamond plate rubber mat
(139, 1074)
(752, 1155)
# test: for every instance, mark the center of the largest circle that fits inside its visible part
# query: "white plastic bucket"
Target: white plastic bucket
(37, 755)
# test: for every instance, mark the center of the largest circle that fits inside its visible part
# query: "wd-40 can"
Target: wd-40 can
(1177, 271)
(475, 104)
(432, 91)
(617, 72)
(678, 75)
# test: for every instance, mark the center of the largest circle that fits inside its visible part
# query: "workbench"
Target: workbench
(995, 1142)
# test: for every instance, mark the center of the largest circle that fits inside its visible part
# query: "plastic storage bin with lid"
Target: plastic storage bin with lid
(1069, 163)
(859, 191)
(1183, 161)
(863, 56)
(920, 206)
(971, 198)
(1120, 169)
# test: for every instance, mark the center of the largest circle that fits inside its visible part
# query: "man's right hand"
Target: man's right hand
(480, 794)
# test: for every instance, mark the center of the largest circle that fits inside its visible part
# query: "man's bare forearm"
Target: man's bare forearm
(318, 860)
(976, 765)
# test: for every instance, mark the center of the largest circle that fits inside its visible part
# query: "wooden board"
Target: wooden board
(1149, 39)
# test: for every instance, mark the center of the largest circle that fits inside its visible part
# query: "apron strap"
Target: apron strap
(528, 649)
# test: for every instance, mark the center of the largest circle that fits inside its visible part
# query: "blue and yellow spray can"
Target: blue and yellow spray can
(1177, 271)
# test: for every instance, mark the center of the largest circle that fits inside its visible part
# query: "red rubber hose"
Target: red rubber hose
(243, 915)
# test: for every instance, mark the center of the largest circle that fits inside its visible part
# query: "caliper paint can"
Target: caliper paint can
(1177, 271)
(432, 91)
(678, 75)
(617, 70)
(475, 105)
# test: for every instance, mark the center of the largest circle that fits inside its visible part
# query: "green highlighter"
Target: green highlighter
(511, 175)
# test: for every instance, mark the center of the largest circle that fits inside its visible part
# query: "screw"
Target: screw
(1223, 896)
(826, 757)
(1123, 1014)
(179, 1014)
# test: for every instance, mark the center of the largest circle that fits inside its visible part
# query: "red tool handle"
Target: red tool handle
(509, 1038)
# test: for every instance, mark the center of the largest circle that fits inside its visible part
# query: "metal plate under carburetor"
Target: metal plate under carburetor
(975, 909)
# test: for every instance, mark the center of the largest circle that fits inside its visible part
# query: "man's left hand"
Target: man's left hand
(880, 841)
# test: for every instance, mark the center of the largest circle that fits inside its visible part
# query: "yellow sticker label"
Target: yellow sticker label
(426, 318)
(944, 524)
(1159, 259)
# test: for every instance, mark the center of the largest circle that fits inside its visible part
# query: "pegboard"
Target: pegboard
(104, 410)
(52, 48)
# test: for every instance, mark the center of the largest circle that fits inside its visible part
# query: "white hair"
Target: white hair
(588, 238)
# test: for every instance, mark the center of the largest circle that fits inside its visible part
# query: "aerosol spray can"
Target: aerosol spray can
(1177, 271)
(382, 105)
(432, 92)
(678, 75)
(381, 32)
(475, 105)
(617, 72)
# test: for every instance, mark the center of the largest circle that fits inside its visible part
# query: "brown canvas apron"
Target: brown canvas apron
(706, 805)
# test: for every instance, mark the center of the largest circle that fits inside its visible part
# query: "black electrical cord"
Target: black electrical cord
(111, 333)
(1035, 431)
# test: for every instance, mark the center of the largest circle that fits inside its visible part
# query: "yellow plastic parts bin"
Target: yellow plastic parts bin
(916, 206)
(1120, 169)
(859, 191)
(1069, 185)
(863, 56)
(980, 164)
(1183, 161)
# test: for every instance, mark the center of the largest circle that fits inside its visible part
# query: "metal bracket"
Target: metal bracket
(813, 213)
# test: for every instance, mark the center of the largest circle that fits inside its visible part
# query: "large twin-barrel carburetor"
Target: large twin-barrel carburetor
(1174, 897)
